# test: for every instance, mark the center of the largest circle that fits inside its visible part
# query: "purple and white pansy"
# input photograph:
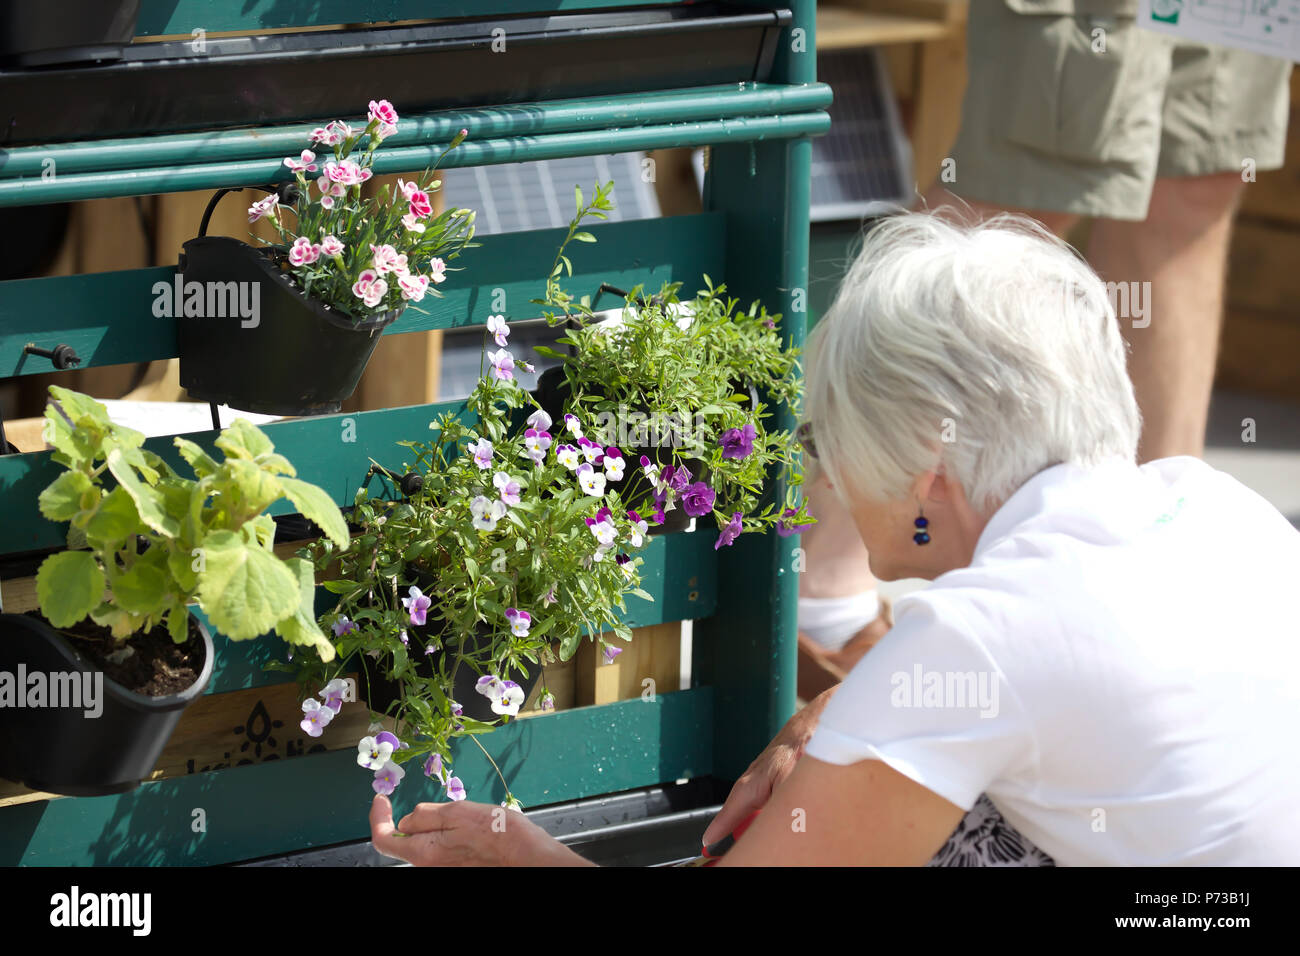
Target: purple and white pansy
(417, 605)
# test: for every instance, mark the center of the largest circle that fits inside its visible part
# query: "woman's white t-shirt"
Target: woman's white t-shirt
(1118, 668)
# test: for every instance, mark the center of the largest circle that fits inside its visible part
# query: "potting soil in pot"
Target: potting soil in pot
(157, 666)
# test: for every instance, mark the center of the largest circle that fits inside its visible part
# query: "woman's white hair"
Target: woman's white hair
(989, 348)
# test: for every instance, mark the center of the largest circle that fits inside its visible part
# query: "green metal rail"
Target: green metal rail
(753, 235)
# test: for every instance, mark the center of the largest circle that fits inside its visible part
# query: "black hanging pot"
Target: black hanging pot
(269, 348)
(37, 33)
(65, 749)
(382, 691)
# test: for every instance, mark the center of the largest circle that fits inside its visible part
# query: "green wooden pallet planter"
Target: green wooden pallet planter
(753, 235)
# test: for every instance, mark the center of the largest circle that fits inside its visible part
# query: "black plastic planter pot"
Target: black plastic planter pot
(34, 33)
(64, 749)
(260, 344)
(382, 691)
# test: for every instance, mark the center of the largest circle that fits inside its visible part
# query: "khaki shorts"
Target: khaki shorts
(1049, 123)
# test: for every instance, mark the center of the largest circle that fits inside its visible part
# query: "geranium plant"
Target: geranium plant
(515, 547)
(686, 378)
(140, 552)
(364, 255)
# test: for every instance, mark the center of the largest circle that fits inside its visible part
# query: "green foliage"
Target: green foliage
(142, 551)
(540, 556)
(677, 376)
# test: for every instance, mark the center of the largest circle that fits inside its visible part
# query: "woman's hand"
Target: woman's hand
(755, 786)
(465, 834)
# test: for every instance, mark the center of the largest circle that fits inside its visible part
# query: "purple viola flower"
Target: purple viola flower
(539, 420)
(611, 652)
(549, 597)
(697, 500)
(546, 701)
(417, 605)
(386, 737)
(520, 621)
(455, 789)
(335, 693)
(738, 442)
(507, 486)
(433, 768)
(482, 452)
(344, 626)
(387, 779)
(489, 686)
(783, 526)
(503, 365)
(496, 325)
(315, 717)
(406, 641)
(730, 533)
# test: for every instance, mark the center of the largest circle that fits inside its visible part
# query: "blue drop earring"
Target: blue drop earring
(922, 522)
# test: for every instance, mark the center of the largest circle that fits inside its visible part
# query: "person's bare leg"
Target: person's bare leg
(1181, 248)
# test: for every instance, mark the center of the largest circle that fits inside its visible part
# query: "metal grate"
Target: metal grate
(861, 167)
(519, 196)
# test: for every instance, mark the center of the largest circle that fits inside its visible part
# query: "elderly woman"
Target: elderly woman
(1075, 659)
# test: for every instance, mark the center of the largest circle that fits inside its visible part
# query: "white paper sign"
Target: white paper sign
(1271, 27)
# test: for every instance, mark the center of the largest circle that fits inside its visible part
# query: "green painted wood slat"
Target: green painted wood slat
(525, 119)
(138, 182)
(121, 326)
(311, 801)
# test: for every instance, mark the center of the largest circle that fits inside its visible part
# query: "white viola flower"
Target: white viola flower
(572, 424)
(489, 686)
(508, 487)
(482, 452)
(487, 512)
(316, 717)
(374, 753)
(536, 443)
(568, 456)
(651, 471)
(602, 526)
(520, 621)
(591, 451)
(336, 691)
(614, 464)
(591, 481)
(640, 527)
(510, 700)
(496, 325)
(540, 420)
